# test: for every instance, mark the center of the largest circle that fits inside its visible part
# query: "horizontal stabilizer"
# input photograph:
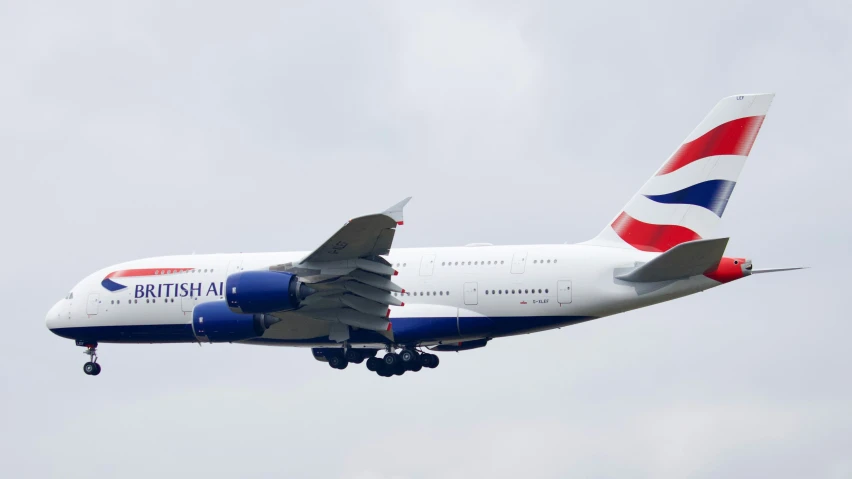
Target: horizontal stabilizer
(682, 261)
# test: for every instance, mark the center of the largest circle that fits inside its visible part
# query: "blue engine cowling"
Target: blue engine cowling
(215, 322)
(264, 291)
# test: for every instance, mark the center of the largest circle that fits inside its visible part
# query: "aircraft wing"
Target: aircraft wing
(362, 237)
(352, 280)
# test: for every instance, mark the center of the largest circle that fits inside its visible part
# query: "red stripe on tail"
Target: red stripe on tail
(732, 138)
(650, 237)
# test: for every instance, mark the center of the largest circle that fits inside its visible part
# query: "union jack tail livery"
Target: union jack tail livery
(686, 197)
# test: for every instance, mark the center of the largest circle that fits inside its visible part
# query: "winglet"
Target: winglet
(395, 211)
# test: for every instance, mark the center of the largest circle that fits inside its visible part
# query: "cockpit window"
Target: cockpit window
(70, 296)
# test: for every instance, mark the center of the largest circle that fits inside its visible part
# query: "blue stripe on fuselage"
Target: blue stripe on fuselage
(406, 330)
(152, 333)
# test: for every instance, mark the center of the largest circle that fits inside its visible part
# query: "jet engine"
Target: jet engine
(215, 322)
(264, 291)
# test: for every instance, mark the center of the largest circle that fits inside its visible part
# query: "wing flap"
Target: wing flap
(351, 317)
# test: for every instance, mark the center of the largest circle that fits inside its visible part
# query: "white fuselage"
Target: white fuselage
(520, 288)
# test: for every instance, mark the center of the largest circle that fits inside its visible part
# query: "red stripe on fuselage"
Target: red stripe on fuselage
(650, 237)
(732, 138)
(145, 272)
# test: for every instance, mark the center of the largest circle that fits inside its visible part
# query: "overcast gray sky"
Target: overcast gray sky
(133, 129)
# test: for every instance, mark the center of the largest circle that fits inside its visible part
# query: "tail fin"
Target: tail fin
(686, 197)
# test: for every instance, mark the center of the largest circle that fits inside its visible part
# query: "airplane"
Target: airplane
(355, 296)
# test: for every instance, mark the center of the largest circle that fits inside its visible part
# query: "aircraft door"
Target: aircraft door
(519, 262)
(470, 293)
(92, 304)
(187, 303)
(563, 292)
(427, 264)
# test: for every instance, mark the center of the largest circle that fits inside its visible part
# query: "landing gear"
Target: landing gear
(337, 362)
(431, 361)
(374, 363)
(411, 360)
(92, 368)
(354, 355)
(393, 364)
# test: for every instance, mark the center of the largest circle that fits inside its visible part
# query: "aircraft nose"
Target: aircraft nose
(53, 315)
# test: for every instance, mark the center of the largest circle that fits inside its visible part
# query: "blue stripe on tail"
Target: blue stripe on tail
(713, 195)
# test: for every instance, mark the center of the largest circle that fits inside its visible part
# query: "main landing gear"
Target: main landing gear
(340, 361)
(393, 364)
(92, 368)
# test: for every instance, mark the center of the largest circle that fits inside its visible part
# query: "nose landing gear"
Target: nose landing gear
(92, 368)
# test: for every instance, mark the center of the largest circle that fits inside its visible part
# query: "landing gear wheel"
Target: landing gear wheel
(425, 359)
(92, 368)
(391, 360)
(374, 363)
(399, 370)
(408, 356)
(354, 356)
(337, 362)
(415, 367)
(433, 361)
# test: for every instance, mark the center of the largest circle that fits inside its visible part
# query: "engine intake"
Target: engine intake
(264, 291)
(215, 322)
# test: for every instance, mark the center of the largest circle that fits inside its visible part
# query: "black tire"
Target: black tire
(416, 367)
(337, 362)
(399, 370)
(354, 356)
(408, 356)
(97, 369)
(373, 364)
(384, 371)
(391, 359)
(89, 368)
(433, 361)
(425, 359)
